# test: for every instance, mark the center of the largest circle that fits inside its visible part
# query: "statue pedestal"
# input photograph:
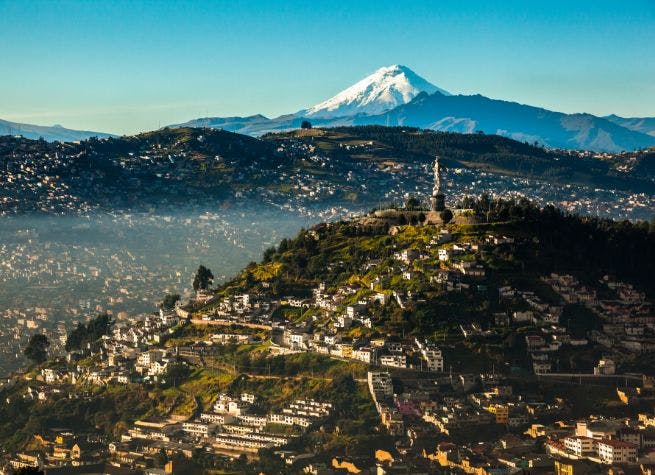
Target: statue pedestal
(433, 217)
(438, 202)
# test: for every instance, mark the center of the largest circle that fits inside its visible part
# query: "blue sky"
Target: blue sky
(127, 66)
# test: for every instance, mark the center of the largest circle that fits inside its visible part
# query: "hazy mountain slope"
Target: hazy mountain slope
(645, 125)
(257, 125)
(467, 114)
(243, 125)
(49, 133)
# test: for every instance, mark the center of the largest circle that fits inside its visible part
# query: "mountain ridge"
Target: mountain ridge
(644, 125)
(397, 96)
(49, 133)
(520, 122)
(454, 113)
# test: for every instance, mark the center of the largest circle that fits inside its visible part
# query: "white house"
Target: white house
(613, 451)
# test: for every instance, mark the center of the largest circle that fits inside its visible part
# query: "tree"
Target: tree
(169, 301)
(446, 215)
(203, 278)
(176, 373)
(83, 334)
(305, 124)
(28, 471)
(160, 458)
(412, 203)
(269, 254)
(36, 350)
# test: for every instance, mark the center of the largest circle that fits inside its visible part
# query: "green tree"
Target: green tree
(203, 278)
(83, 334)
(28, 471)
(306, 124)
(37, 348)
(160, 458)
(412, 203)
(175, 374)
(446, 216)
(269, 254)
(169, 301)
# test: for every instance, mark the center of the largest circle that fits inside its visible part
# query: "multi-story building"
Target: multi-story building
(580, 445)
(396, 361)
(199, 428)
(219, 419)
(613, 451)
(380, 385)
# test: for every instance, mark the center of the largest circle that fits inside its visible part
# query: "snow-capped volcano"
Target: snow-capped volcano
(383, 90)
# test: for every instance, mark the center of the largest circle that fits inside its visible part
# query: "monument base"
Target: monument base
(438, 202)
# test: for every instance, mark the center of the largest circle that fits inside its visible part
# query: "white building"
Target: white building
(616, 451)
(289, 419)
(344, 321)
(198, 428)
(580, 446)
(218, 419)
(247, 397)
(433, 358)
(395, 361)
(366, 355)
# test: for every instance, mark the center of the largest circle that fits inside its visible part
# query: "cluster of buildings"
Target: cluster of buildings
(625, 315)
(455, 404)
(60, 447)
(236, 425)
(69, 177)
(506, 430)
(132, 353)
(601, 440)
(444, 264)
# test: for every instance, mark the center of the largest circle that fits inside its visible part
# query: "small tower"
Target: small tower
(437, 200)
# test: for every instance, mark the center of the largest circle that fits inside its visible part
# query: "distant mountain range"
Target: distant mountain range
(645, 125)
(397, 96)
(469, 114)
(49, 133)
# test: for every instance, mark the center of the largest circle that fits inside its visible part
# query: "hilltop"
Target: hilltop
(497, 154)
(547, 240)
(304, 325)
